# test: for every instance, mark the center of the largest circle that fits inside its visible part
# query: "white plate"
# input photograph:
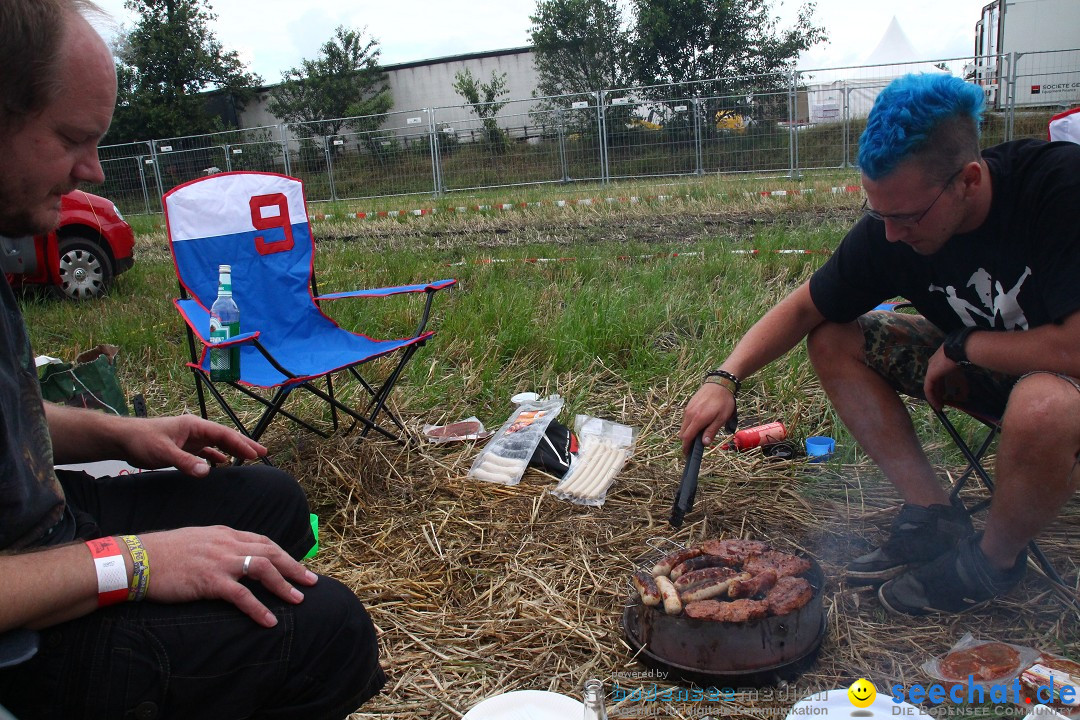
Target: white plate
(527, 705)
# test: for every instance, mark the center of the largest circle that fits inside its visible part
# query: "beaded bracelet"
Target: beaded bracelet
(716, 376)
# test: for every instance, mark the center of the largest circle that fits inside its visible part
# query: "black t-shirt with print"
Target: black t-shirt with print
(1019, 270)
(31, 499)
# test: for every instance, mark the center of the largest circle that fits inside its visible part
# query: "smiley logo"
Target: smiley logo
(862, 693)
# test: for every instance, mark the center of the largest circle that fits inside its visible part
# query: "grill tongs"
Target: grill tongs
(684, 499)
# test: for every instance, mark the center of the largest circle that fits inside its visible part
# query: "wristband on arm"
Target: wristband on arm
(111, 571)
(724, 379)
(140, 577)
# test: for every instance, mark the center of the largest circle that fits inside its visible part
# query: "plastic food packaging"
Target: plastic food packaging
(988, 662)
(505, 457)
(468, 429)
(1042, 682)
(604, 448)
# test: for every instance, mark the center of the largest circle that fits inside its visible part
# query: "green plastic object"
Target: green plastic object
(314, 531)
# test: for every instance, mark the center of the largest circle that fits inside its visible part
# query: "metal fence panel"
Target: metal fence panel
(808, 120)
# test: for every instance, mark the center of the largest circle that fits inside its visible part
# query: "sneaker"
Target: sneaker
(961, 579)
(919, 534)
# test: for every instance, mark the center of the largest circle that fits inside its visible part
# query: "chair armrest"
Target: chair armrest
(387, 291)
(198, 320)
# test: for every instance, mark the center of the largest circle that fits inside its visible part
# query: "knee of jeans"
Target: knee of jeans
(335, 623)
(271, 482)
(335, 642)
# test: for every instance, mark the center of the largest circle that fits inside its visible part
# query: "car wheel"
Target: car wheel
(85, 269)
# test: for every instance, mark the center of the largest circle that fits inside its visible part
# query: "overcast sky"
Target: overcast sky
(280, 33)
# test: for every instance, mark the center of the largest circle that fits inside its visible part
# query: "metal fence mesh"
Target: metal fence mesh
(772, 124)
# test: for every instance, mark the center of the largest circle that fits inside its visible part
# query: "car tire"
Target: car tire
(85, 269)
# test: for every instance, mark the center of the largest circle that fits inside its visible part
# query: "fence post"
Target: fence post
(846, 91)
(433, 145)
(157, 174)
(793, 124)
(699, 162)
(142, 181)
(285, 148)
(560, 126)
(601, 126)
(1010, 113)
(329, 167)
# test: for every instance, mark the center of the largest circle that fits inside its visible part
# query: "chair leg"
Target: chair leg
(974, 460)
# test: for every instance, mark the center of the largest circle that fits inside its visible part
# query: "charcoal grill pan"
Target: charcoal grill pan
(749, 654)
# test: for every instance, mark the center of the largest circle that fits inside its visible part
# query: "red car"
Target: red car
(79, 260)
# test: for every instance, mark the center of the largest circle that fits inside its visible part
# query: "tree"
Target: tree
(579, 46)
(344, 86)
(483, 99)
(686, 40)
(164, 63)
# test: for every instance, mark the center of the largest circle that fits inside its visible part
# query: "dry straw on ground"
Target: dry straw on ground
(479, 589)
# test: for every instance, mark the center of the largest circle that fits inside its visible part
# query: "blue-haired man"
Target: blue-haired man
(986, 245)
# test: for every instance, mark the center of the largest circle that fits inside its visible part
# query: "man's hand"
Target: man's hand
(206, 563)
(711, 407)
(944, 381)
(185, 442)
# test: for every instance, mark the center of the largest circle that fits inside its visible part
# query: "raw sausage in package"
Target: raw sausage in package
(604, 449)
(507, 454)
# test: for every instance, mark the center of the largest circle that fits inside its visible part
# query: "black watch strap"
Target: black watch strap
(954, 345)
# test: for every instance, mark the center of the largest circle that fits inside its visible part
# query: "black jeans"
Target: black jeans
(203, 659)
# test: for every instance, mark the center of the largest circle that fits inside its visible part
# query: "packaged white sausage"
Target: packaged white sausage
(603, 449)
(507, 454)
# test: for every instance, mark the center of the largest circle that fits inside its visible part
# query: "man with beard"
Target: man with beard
(170, 594)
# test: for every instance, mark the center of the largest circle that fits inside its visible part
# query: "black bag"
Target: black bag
(555, 451)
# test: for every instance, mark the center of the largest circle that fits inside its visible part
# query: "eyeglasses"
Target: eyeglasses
(909, 219)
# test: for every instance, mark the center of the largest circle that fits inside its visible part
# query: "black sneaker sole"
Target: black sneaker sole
(918, 612)
(874, 577)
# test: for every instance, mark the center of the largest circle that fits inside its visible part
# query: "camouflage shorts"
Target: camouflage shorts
(898, 347)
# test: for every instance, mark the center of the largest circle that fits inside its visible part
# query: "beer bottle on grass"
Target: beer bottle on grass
(224, 324)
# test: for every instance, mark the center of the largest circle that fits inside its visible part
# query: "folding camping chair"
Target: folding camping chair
(257, 223)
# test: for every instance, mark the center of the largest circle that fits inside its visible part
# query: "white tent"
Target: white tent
(854, 94)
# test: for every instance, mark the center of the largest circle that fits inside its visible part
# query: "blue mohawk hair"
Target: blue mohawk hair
(907, 111)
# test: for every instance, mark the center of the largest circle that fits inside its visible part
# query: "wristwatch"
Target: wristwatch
(954, 345)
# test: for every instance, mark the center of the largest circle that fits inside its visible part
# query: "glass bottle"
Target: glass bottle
(594, 700)
(224, 324)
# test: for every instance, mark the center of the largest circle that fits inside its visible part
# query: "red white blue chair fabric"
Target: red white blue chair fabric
(258, 224)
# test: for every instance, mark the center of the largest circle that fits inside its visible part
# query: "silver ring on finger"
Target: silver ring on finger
(247, 565)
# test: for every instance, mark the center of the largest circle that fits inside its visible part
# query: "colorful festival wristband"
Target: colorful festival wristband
(111, 572)
(140, 577)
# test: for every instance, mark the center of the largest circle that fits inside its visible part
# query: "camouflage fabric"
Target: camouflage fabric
(898, 347)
